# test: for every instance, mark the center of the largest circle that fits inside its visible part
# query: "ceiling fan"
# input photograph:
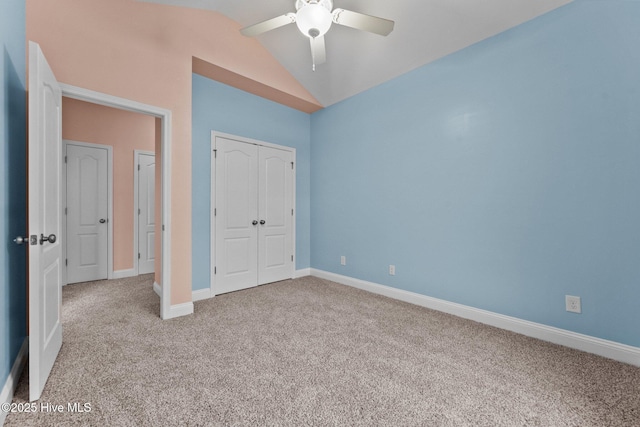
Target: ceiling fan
(314, 18)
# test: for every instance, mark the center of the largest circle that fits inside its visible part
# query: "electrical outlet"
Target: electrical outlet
(573, 304)
(392, 270)
(343, 260)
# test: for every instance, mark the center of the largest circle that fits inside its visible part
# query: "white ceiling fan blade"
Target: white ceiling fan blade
(318, 52)
(268, 25)
(360, 21)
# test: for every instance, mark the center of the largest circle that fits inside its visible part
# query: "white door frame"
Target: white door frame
(212, 219)
(65, 143)
(164, 115)
(136, 206)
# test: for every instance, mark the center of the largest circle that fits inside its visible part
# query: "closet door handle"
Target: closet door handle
(262, 222)
(254, 222)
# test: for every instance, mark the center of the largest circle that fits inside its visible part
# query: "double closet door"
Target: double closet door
(253, 214)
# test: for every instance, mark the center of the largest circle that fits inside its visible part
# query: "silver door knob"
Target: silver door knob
(20, 240)
(102, 220)
(254, 222)
(51, 238)
(262, 222)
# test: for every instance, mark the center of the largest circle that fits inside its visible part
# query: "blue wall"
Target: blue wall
(225, 109)
(13, 273)
(502, 177)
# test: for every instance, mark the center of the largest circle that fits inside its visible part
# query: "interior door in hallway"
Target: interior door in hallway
(146, 213)
(87, 213)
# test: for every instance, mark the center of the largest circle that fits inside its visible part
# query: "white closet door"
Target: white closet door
(236, 216)
(275, 198)
(87, 204)
(146, 213)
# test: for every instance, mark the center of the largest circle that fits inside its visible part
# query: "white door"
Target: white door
(146, 212)
(275, 199)
(253, 215)
(236, 215)
(87, 213)
(45, 220)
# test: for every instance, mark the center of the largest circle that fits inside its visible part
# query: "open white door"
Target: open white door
(45, 224)
(146, 213)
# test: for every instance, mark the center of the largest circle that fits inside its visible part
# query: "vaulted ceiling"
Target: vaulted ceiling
(356, 60)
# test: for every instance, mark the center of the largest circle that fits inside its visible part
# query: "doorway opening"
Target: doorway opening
(162, 152)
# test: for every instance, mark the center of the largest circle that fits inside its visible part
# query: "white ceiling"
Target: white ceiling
(356, 60)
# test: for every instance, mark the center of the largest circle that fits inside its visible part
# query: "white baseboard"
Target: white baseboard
(157, 289)
(121, 274)
(178, 310)
(14, 375)
(302, 273)
(613, 350)
(201, 294)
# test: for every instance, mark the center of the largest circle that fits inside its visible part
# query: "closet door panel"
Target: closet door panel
(236, 181)
(275, 199)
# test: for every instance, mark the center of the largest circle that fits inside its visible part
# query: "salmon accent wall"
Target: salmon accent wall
(125, 132)
(143, 52)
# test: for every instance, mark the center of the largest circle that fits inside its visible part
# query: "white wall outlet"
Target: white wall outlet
(392, 270)
(573, 304)
(343, 260)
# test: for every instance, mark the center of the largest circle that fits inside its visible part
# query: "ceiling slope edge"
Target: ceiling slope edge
(228, 77)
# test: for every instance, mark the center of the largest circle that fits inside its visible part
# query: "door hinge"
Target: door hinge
(291, 165)
(65, 211)
(291, 257)
(65, 159)
(291, 212)
(66, 262)
(138, 211)
(215, 211)
(162, 227)
(138, 255)
(215, 270)
(215, 153)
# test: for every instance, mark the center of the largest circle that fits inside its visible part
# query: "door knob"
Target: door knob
(102, 220)
(254, 222)
(20, 240)
(51, 238)
(262, 222)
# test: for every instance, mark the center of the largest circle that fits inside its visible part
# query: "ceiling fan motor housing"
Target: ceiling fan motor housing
(314, 17)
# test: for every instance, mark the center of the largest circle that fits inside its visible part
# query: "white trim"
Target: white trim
(136, 205)
(178, 310)
(121, 274)
(165, 116)
(613, 350)
(157, 289)
(302, 273)
(109, 148)
(14, 375)
(212, 192)
(201, 294)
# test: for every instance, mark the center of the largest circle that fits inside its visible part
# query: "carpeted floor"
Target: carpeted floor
(312, 352)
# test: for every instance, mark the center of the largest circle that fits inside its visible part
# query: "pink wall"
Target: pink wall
(143, 52)
(125, 132)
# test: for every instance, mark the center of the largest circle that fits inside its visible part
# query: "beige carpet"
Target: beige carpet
(311, 352)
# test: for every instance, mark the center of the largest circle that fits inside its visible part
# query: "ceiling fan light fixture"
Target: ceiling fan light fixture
(313, 20)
